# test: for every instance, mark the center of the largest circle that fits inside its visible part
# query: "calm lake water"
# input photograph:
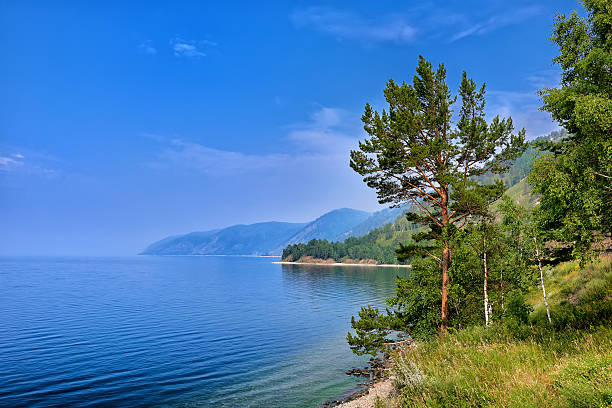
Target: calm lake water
(178, 331)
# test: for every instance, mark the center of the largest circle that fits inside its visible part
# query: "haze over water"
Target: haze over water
(179, 331)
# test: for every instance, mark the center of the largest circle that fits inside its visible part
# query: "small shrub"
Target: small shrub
(516, 308)
(593, 291)
(409, 376)
(517, 330)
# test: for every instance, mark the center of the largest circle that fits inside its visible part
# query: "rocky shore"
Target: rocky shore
(380, 390)
(364, 395)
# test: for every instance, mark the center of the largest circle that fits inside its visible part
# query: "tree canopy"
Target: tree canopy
(415, 154)
(575, 179)
(446, 170)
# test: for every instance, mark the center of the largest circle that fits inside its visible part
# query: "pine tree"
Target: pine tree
(415, 155)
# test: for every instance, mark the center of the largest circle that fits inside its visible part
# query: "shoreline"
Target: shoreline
(381, 389)
(365, 395)
(341, 264)
(229, 255)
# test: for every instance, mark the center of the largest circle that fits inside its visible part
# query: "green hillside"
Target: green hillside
(521, 167)
(376, 220)
(379, 244)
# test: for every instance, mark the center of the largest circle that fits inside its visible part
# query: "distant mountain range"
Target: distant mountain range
(269, 238)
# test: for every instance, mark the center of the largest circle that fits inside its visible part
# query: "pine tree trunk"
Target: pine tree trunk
(542, 279)
(446, 260)
(445, 265)
(486, 294)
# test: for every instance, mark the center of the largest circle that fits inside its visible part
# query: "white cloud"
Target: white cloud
(147, 48)
(496, 22)
(187, 50)
(212, 161)
(190, 48)
(523, 107)
(8, 163)
(36, 164)
(425, 20)
(327, 117)
(329, 130)
(349, 26)
(548, 78)
(326, 137)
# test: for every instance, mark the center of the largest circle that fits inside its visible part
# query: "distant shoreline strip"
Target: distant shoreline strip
(235, 256)
(341, 264)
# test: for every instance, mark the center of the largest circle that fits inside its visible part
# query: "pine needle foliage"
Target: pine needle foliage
(416, 154)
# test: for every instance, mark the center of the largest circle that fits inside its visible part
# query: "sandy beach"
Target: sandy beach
(341, 264)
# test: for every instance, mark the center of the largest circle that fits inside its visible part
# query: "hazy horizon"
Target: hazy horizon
(121, 124)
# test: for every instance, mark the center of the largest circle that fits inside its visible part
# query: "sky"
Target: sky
(124, 122)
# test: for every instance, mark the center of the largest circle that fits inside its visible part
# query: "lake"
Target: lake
(179, 331)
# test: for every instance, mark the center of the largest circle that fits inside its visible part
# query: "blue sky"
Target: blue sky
(124, 122)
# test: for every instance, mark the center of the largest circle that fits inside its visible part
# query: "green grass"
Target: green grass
(578, 297)
(511, 365)
(478, 368)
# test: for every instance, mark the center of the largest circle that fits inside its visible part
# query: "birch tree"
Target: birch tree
(539, 259)
(519, 223)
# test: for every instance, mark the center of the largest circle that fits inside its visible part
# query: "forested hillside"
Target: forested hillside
(521, 167)
(376, 220)
(380, 244)
(329, 225)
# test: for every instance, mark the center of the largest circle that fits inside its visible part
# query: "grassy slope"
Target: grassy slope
(520, 193)
(468, 369)
(524, 367)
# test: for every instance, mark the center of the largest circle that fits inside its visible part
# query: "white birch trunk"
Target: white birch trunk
(486, 294)
(542, 279)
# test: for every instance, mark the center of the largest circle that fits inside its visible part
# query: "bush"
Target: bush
(517, 309)
(410, 377)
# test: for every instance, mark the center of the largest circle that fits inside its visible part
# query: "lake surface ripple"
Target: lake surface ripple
(179, 331)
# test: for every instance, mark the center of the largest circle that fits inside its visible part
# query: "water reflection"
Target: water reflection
(357, 283)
